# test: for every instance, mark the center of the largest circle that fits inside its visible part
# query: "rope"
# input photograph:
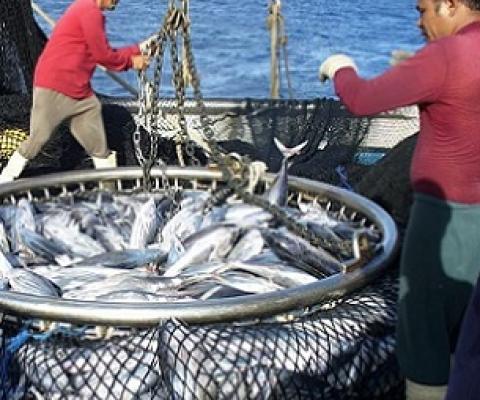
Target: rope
(13, 344)
(272, 23)
(256, 171)
(278, 43)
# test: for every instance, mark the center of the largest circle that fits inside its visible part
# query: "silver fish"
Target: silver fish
(280, 273)
(212, 243)
(183, 224)
(145, 225)
(125, 259)
(61, 229)
(246, 215)
(247, 283)
(313, 260)
(24, 219)
(133, 296)
(43, 247)
(251, 244)
(278, 193)
(24, 281)
(4, 244)
(76, 278)
(5, 265)
(109, 238)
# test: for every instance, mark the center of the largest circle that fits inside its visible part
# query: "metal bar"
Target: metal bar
(112, 75)
(208, 311)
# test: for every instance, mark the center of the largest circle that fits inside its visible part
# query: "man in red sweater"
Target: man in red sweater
(441, 252)
(62, 88)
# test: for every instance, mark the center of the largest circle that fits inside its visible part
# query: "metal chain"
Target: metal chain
(178, 82)
(235, 171)
(148, 116)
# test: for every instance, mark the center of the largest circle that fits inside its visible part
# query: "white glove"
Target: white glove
(148, 45)
(332, 64)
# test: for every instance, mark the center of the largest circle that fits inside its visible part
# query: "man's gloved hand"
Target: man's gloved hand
(332, 64)
(149, 45)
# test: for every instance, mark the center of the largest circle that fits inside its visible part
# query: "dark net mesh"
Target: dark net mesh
(340, 350)
(21, 42)
(249, 127)
(333, 135)
(343, 349)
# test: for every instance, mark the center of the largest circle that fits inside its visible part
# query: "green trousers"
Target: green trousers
(439, 266)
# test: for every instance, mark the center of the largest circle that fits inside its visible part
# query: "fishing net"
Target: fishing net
(21, 41)
(342, 349)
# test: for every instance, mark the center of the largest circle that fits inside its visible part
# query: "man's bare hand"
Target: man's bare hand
(140, 62)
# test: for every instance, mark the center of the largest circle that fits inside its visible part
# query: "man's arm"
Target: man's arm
(93, 26)
(416, 80)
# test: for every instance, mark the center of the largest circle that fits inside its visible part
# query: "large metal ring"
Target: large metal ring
(130, 180)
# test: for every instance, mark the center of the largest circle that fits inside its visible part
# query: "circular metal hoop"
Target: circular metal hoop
(338, 201)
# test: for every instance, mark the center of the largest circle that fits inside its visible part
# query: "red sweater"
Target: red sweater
(76, 45)
(444, 80)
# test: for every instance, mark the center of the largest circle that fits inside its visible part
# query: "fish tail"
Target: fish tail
(289, 152)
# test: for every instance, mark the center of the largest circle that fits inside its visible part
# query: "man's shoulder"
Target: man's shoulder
(84, 7)
(459, 47)
(432, 50)
(466, 36)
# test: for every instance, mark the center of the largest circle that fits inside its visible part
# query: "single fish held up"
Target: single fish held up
(278, 193)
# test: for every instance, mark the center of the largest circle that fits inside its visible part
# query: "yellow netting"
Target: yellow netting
(10, 139)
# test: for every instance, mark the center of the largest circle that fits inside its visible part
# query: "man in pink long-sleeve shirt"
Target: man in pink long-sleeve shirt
(441, 253)
(62, 89)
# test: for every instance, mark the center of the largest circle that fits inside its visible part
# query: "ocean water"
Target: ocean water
(231, 42)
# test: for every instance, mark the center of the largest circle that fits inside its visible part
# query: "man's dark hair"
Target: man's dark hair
(472, 4)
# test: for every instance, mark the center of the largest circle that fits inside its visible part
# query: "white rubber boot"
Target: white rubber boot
(417, 391)
(14, 167)
(109, 162)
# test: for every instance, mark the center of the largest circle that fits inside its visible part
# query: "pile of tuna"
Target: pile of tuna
(130, 248)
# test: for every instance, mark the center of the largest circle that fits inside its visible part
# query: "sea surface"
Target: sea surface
(231, 43)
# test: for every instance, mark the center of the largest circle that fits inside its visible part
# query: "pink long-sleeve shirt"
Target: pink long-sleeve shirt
(443, 78)
(78, 42)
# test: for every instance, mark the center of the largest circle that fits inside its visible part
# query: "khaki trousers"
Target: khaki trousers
(51, 108)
